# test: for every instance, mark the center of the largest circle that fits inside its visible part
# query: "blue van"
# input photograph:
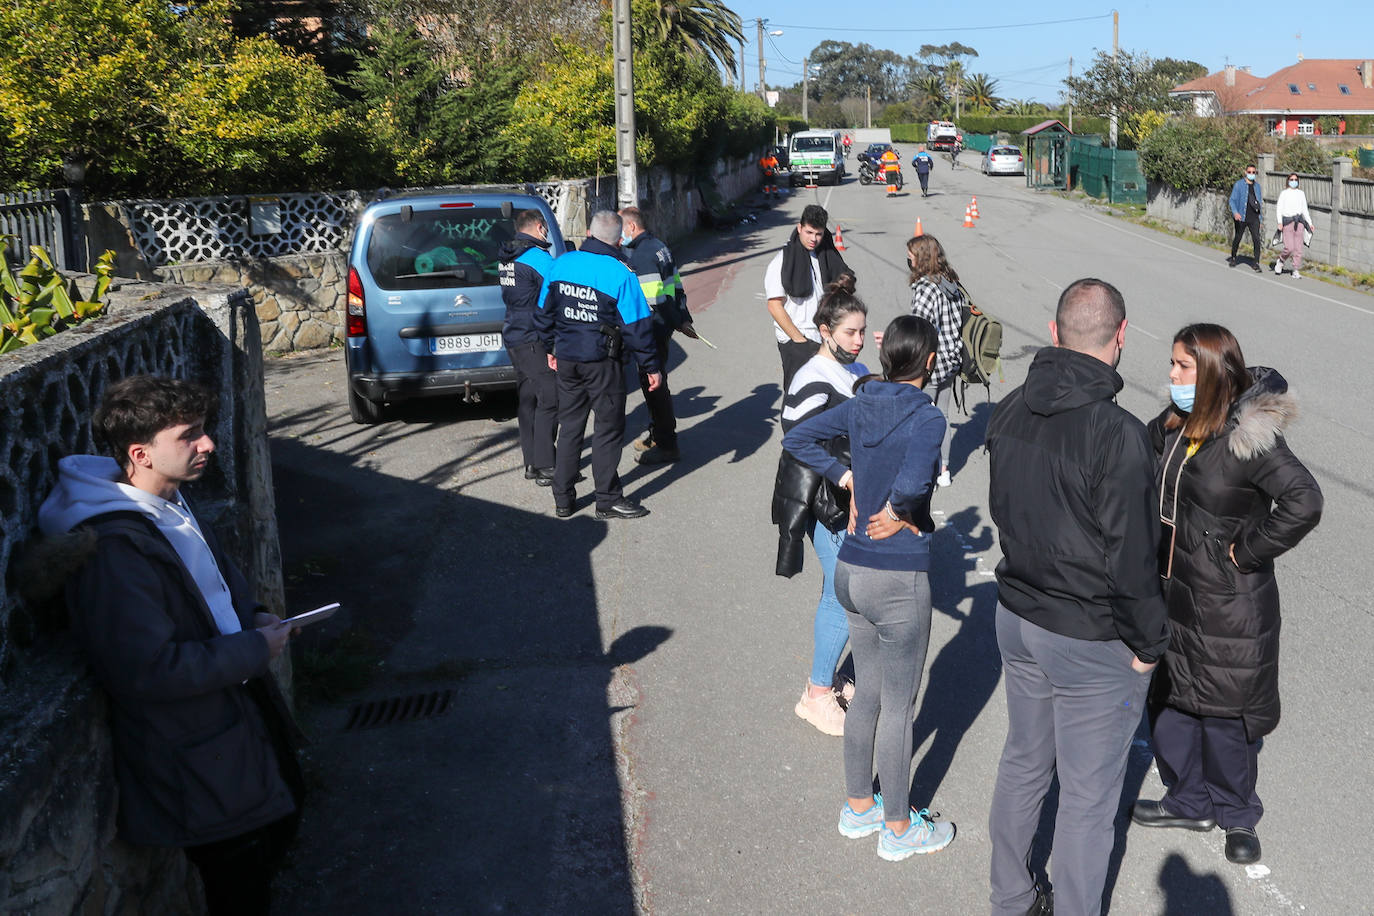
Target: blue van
(424, 309)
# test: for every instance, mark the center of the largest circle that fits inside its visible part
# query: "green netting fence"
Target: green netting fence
(1104, 172)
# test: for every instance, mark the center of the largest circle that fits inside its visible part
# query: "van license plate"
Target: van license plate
(466, 343)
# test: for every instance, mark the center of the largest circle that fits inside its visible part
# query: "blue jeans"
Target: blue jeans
(831, 629)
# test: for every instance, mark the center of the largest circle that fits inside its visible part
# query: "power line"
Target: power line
(967, 28)
(778, 51)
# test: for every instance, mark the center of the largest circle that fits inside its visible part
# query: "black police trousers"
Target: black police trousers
(584, 388)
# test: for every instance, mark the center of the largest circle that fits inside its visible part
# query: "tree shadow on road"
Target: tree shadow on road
(737, 431)
(511, 799)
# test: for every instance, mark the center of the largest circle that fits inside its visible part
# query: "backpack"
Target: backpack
(980, 338)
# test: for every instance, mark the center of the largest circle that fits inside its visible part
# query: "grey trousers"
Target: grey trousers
(1072, 705)
(889, 632)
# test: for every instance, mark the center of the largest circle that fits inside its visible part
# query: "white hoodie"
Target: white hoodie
(88, 485)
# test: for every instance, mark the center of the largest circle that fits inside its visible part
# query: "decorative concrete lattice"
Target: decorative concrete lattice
(192, 230)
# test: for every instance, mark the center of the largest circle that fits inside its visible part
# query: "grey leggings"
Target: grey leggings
(889, 631)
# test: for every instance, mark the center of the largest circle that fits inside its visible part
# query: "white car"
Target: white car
(1004, 160)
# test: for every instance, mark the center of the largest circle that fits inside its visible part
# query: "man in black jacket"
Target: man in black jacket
(1080, 619)
(201, 735)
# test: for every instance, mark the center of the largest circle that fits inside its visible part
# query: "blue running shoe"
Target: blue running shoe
(855, 826)
(922, 836)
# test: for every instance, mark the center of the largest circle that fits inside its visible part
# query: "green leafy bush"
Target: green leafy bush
(1299, 154)
(38, 302)
(1194, 154)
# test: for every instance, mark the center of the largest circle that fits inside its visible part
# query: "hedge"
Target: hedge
(994, 124)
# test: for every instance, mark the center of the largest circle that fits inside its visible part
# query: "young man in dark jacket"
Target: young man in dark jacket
(591, 310)
(1080, 619)
(525, 261)
(201, 735)
(652, 262)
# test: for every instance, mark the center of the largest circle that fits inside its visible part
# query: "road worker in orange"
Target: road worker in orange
(891, 169)
(769, 164)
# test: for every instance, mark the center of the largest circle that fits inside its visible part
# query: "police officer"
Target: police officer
(653, 264)
(525, 261)
(591, 308)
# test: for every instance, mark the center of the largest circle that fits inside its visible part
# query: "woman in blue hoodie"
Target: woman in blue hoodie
(895, 432)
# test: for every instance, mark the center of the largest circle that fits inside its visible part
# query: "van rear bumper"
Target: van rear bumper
(403, 386)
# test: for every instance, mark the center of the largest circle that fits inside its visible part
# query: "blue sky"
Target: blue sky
(1029, 60)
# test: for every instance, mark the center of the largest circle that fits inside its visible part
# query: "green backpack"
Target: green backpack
(981, 338)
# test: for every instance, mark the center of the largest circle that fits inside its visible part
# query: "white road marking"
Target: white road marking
(1190, 254)
(1136, 327)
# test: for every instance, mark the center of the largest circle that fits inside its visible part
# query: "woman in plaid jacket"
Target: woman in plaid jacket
(935, 296)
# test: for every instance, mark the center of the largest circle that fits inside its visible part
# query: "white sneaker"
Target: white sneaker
(1296, 275)
(944, 479)
(1278, 267)
(823, 711)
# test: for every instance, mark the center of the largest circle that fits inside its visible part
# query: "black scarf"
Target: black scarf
(796, 264)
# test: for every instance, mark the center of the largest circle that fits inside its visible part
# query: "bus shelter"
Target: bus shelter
(1047, 155)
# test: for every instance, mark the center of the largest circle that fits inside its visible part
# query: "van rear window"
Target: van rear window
(437, 249)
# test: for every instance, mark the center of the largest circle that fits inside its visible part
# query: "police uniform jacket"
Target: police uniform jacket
(653, 264)
(587, 298)
(524, 261)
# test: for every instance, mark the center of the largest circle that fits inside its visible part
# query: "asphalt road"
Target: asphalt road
(620, 733)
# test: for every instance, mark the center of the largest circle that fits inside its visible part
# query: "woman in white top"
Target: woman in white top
(1295, 223)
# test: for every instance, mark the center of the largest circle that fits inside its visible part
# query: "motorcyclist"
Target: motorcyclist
(848, 141)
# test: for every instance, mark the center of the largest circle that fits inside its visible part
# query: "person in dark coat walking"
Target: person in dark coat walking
(1232, 498)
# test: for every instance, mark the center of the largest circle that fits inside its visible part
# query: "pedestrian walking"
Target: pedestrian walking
(1080, 619)
(881, 578)
(936, 297)
(1247, 210)
(1295, 225)
(591, 310)
(523, 262)
(653, 264)
(203, 739)
(1233, 497)
(793, 284)
(807, 505)
(923, 162)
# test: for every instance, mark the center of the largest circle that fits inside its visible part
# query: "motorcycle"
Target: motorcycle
(870, 171)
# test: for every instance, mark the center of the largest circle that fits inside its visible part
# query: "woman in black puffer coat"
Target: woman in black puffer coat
(1232, 498)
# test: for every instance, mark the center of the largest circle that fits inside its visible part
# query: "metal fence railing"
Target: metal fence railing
(35, 218)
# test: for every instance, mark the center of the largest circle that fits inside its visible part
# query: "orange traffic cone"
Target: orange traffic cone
(974, 207)
(968, 218)
(839, 237)
(919, 231)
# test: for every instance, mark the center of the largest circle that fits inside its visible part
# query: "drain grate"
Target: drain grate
(398, 709)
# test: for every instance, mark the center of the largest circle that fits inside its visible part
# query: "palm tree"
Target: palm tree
(1022, 107)
(981, 91)
(928, 93)
(706, 27)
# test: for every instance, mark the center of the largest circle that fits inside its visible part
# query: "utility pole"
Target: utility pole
(804, 92)
(1116, 31)
(627, 175)
(1071, 94)
(868, 111)
(739, 69)
(759, 23)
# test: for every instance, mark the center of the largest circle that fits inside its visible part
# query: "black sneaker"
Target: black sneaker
(622, 508)
(1231, 261)
(659, 455)
(1148, 813)
(1254, 265)
(563, 511)
(543, 477)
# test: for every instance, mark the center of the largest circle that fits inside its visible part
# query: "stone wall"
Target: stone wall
(58, 850)
(297, 277)
(1342, 212)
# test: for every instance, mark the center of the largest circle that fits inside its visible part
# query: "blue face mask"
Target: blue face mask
(625, 239)
(1292, 184)
(1249, 176)
(1182, 396)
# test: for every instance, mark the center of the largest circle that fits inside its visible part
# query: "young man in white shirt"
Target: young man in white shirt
(794, 283)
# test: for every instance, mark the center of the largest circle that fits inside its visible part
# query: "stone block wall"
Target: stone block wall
(58, 850)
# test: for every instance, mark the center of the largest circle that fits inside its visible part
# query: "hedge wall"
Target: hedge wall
(993, 124)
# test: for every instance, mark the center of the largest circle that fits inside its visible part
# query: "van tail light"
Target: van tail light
(356, 310)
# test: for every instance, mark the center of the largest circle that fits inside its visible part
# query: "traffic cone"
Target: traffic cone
(974, 207)
(919, 231)
(839, 237)
(968, 218)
